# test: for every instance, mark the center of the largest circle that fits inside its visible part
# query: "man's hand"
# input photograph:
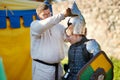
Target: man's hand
(68, 13)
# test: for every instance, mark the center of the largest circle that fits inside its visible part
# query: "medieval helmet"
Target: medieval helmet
(78, 21)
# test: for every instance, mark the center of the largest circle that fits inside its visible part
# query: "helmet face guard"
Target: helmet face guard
(76, 25)
(69, 30)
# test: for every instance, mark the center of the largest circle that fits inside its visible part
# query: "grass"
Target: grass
(116, 64)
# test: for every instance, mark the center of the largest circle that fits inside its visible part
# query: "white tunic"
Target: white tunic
(47, 41)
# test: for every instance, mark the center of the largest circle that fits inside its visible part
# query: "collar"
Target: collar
(84, 39)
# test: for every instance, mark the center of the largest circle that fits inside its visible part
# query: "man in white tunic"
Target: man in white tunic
(47, 40)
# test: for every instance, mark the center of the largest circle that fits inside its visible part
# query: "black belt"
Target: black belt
(50, 64)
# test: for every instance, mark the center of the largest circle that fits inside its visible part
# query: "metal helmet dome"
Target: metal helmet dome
(78, 22)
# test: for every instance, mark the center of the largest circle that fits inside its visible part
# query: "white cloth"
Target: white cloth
(47, 43)
(45, 72)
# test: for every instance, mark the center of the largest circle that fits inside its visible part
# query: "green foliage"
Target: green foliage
(116, 64)
(64, 61)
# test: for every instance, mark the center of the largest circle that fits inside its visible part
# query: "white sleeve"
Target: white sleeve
(93, 47)
(39, 26)
(62, 30)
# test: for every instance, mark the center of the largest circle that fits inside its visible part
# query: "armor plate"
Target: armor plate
(92, 47)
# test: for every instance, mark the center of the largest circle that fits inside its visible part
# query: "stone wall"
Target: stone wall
(102, 22)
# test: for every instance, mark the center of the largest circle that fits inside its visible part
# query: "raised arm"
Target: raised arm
(39, 26)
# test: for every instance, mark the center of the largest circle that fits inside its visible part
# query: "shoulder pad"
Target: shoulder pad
(92, 47)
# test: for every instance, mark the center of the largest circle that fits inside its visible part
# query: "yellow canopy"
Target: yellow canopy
(18, 4)
(15, 42)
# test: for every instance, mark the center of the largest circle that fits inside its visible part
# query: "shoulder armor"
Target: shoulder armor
(92, 47)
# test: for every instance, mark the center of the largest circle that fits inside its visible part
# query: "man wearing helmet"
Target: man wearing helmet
(81, 49)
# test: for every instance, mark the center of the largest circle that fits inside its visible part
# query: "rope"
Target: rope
(6, 10)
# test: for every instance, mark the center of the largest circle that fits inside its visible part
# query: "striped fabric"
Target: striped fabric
(14, 18)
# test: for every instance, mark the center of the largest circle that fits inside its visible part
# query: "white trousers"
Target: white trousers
(45, 72)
